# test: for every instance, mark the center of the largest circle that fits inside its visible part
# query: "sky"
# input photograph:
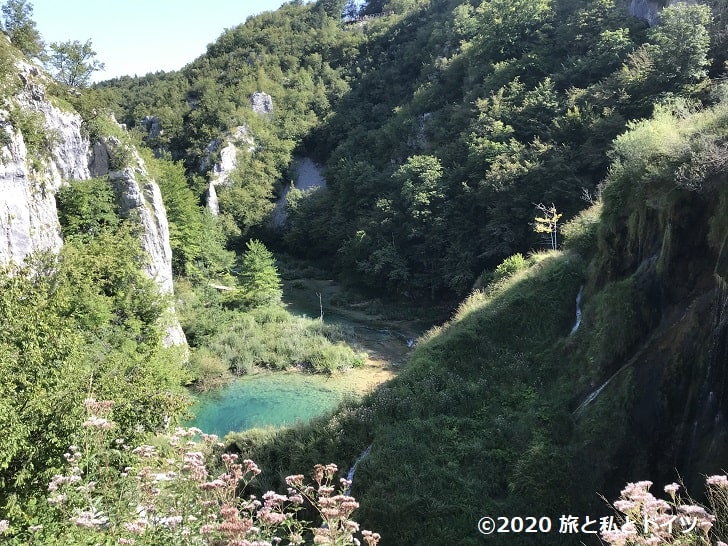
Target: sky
(135, 37)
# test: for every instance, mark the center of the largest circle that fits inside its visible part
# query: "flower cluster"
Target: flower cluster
(650, 521)
(335, 509)
(180, 489)
(98, 411)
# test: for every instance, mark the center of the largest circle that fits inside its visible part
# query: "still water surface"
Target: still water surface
(273, 399)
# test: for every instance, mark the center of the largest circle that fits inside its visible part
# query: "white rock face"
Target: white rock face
(220, 172)
(231, 142)
(28, 215)
(308, 178)
(141, 200)
(262, 103)
(649, 10)
(213, 204)
(143, 203)
(228, 161)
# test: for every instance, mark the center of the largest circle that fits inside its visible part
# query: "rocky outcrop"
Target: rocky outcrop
(29, 180)
(213, 204)
(153, 126)
(221, 171)
(308, 177)
(28, 217)
(649, 10)
(140, 199)
(262, 103)
(227, 147)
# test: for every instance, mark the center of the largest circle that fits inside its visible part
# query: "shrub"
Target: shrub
(509, 267)
(86, 208)
(209, 370)
(38, 138)
(178, 489)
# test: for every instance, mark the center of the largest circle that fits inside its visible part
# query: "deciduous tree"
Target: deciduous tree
(19, 25)
(72, 63)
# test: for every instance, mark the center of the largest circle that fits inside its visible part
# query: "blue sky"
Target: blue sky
(134, 37)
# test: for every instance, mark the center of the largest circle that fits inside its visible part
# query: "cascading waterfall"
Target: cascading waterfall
(592, 396)
(595, 393)
(578, 310)
(352, 470)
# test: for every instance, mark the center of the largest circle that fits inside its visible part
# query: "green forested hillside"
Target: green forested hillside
(441, 124)
(512, 409)
(579, 359)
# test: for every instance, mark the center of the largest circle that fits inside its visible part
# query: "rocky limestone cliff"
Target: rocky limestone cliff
(28, 216)
(221, 171)
(140, 199)
(227, 146)
(261, 103)
(28, 182)
(649, 10)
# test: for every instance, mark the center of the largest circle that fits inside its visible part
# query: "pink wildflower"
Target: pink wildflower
(266, 515)
(171, 521)
(372, 539)
(89, 519)
(273, 499)
(672, 488)
(98, 406)
(296, 480)
(137, 527)
(100, 423)
(625, 506)
(250, 466)
(719, 481)
(57, 499)
(145, 451)
(4, 526)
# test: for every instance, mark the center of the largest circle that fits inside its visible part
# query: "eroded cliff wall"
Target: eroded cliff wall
(43, 147)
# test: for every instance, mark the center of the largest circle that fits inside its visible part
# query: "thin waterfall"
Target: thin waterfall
(352, 470)
(578, 310)
(595, 393)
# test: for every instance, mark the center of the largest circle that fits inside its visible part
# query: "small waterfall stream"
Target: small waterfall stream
(596, 392)
(592, 396)
(578, 310)
(352, 470)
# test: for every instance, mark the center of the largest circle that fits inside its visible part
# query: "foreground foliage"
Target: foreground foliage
(88, 319)
(648, 520)
(181, 489)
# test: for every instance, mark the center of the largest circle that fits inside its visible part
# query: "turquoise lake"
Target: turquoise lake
(275, 399)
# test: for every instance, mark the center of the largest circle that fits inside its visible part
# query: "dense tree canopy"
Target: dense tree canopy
(440, 124)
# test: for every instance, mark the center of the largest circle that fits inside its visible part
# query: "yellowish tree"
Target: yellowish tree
(547, 223)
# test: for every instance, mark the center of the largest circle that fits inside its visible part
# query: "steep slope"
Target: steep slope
(29, 221)
(662, 245)
(510, 411)
(45, 147)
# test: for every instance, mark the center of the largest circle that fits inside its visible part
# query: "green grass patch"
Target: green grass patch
(265, 337)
